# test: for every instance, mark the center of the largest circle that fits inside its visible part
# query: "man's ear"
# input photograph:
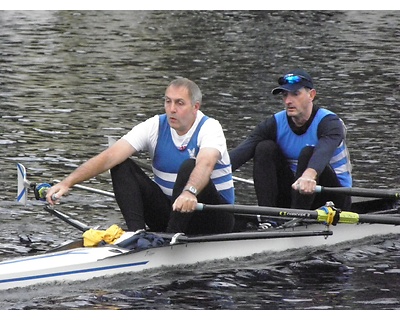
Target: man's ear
(313, 94)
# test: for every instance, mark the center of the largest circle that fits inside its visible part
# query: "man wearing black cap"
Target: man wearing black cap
(296, 149)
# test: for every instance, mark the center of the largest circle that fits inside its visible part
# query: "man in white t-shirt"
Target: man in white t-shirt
(190, 164)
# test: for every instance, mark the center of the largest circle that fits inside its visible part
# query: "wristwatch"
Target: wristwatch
(191, 189)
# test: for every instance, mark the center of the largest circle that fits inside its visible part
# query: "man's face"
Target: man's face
(179, 109)
(299, 103)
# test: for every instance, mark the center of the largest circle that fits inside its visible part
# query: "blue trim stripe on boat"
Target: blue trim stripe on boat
(57, 274)
(42, 257)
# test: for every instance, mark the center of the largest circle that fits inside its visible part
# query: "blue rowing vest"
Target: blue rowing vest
(168, 159)
(291, 144)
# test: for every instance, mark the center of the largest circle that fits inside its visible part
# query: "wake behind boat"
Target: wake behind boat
(142, 250)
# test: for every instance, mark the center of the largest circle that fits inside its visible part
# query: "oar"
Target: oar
(362, 192)
(75, 223)
(23, 184)
(79, 186)
(148, 167)
(245, 235)
(320, 215)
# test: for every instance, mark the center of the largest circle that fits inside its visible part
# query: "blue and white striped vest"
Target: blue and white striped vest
(291, 144)
(168, 159)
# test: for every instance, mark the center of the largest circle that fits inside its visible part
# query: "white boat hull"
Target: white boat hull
(87, 263)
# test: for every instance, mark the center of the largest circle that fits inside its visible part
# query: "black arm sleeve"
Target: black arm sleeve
(330, 133)
(265, 130)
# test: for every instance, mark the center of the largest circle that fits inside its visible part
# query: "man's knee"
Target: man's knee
(265, 151)
(266, 147)
(120, 168)
(306, 153)
(185, 171)
(127, 168)
(188, 165)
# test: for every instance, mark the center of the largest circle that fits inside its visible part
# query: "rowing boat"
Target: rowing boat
(73, 261)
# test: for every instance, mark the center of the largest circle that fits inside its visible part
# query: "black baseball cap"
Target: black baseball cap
(293, 81)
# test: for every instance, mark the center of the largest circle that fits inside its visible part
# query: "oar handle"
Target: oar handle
(362, 192)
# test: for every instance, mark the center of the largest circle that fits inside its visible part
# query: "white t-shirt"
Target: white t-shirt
(143, 137)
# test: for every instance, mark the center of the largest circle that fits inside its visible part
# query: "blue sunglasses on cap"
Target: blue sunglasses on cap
(290, 79)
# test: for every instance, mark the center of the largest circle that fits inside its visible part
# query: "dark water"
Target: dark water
(70, 79)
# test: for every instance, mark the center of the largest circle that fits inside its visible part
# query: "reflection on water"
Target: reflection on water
(70, 79)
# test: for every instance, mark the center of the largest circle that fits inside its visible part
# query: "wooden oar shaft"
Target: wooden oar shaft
(361, 192)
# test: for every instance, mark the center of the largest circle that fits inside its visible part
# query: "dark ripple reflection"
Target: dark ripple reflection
(70, 79)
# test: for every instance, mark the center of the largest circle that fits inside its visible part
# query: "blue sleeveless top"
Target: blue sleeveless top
(168, 159)
(291, 144)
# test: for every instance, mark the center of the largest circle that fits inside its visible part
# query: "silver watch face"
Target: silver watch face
(192, 190)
